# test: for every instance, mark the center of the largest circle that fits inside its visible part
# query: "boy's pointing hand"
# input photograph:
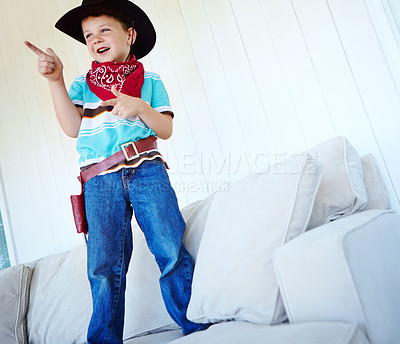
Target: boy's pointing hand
(49, 64)
(124, 106)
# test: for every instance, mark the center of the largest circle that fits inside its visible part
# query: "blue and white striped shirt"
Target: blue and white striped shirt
(101, 133)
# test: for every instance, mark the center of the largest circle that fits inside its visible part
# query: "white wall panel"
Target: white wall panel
(394, 7)
(35, 170)
(385, 15)
(375, 82)
(195, 135)
(238, 72)
(303, 84)
(224, 114)
(20, 171)
(245, 78)
(332, 70)
(272, 87)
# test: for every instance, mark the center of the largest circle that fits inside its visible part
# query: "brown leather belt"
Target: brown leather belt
(130, 150)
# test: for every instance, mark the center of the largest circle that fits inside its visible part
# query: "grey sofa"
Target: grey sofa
(267, 279)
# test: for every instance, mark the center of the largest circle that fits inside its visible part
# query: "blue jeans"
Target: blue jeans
(109, 200)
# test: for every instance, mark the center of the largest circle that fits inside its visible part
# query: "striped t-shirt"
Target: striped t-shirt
(101, 133)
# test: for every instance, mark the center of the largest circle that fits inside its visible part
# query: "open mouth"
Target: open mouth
(102, 50)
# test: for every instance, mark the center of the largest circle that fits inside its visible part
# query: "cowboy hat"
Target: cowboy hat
(70, 23)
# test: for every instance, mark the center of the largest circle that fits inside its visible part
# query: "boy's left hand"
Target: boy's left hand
(124, 106)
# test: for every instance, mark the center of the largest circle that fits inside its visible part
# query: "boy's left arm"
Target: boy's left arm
(126, 106)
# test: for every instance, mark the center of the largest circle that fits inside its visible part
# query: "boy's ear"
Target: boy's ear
(131, 36)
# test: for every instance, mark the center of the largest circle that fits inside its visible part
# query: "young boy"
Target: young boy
(116, 104)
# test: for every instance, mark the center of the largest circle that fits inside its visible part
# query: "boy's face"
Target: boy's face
(106, 39)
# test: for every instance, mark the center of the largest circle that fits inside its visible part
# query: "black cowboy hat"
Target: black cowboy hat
(70, 23)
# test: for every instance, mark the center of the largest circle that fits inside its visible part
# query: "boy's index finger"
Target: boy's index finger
(35, 49)
(110, 102)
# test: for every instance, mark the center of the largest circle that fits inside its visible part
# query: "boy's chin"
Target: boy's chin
(103, 59)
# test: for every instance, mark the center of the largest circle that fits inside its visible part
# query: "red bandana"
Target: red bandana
(128, 77)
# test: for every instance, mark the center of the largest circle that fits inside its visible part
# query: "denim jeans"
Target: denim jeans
(110, 201)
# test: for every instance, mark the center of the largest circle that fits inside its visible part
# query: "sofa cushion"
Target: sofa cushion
(236, 332)
(378, 197)
(234, 277)
(342, 191)
(347, 270)
(14, 300)
(195, 216)
(60, 299)
(61, 303)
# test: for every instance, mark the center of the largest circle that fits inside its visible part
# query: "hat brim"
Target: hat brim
(70, 23)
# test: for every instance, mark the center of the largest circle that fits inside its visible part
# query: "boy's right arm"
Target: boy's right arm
(50, 66)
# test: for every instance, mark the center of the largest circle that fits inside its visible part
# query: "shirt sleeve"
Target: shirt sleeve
(76, 90)
(160, 100)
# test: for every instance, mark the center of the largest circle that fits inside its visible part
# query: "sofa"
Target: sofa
(304, 251)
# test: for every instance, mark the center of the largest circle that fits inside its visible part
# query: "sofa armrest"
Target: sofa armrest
(347, 270)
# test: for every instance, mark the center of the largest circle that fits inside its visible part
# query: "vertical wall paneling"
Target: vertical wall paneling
(31, 142)
(159, 61)
(240, 77)
(185, 153)
(224, 114)
(44, 128)
(56, 175)
(332, 70)
(383, 14)
(201, 126)
(249, 81)
(20, 187)
(269, 77)
(394, 15)
(299, 71)
(374, 79)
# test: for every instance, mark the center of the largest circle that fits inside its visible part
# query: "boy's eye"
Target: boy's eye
(88, 35)
(105, 30)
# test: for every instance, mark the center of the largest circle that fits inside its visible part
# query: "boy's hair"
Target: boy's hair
(125, 24)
